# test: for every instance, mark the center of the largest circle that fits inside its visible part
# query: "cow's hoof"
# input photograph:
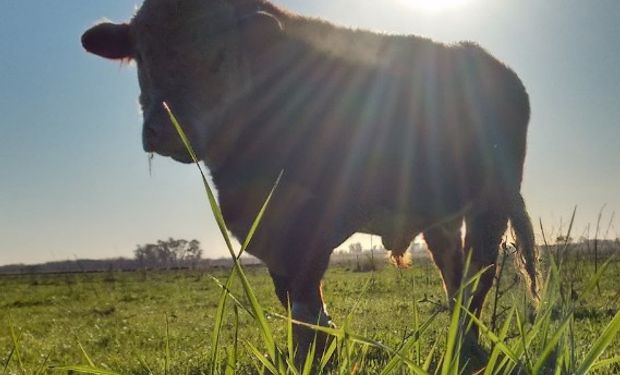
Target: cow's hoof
(306, 337)
(473, 356)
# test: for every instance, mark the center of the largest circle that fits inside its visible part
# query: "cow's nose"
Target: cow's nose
(151, 128)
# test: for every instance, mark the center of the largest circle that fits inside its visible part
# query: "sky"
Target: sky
(75, 183)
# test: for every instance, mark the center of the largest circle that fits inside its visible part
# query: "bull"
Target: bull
(391, 135)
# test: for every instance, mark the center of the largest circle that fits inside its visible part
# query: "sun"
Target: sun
(433, 6)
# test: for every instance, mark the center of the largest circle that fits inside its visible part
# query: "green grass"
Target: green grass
(229, 322)
(120, 319)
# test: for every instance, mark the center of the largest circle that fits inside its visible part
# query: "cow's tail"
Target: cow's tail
(526, 258)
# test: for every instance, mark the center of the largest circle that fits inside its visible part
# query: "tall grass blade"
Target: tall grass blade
(255, 311)
(289, 333)
(416, 324)
(219, 320)
(561, 254)
(167, 349)
(85, 370)
(491, 363)
(85, 355)
(309, 360)
(231, 295)
(358, 300)
(406, 346)
(453, 337)
(261, 358)
(327, 355)
(360, 360)
(224, 231)
(450, 359)
(8, 360)
(42, 369)
(520, 346)
(353, 338)
(236, 337)
(594, 280)
(259, 217)
(524, 342)
(144, 364)
(551, 345)
(558, 368)
(291, 368)
(258, 313)
(219, 218)
(15, 338)
(606, 337)
(230, 362)
(255, 306)
(605, 362)
(570, 228)
(457, 327)
(429, 358)
(509, 353)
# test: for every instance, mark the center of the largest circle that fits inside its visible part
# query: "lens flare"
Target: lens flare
(433, 6)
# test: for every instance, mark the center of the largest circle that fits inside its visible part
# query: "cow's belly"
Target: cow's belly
(397, 229)
(296, 217)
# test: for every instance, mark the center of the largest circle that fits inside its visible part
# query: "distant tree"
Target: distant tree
(355, 248)
(169, 253)
(563, 239)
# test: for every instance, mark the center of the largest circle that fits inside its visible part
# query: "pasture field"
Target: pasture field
(162, 322)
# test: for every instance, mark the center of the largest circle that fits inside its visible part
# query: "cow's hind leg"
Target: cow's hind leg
(445, 244)
(484, 234)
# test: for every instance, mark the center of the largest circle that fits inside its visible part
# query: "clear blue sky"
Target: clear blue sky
(74, 181)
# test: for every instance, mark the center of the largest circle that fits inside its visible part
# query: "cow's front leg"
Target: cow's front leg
(301, 290)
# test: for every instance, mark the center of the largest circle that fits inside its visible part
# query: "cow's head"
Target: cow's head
(193, 54)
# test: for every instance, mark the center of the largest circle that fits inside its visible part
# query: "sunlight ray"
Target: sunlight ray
(434, 6)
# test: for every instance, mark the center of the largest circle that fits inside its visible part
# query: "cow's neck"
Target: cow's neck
(301, 96)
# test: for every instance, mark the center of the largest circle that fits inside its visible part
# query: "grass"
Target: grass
(229, 321)
(121, 323)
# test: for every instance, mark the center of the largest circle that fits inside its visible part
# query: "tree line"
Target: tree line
(170, 253)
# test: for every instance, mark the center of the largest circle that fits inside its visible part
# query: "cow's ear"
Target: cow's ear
(109, 40)
(260, 31)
